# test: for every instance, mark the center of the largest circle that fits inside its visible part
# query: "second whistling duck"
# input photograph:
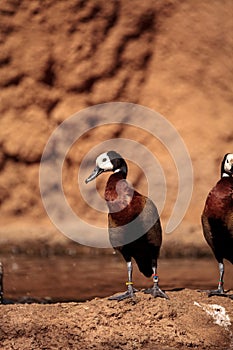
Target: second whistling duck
(217, 220)
(133, 223)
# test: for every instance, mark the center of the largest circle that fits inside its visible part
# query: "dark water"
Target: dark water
(65, 278)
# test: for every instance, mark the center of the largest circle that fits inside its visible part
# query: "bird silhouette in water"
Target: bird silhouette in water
(133, 223)
(217, 220)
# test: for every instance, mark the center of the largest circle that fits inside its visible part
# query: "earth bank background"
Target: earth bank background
(59, 57)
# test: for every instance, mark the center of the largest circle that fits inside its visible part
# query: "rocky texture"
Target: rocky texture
(59, 57)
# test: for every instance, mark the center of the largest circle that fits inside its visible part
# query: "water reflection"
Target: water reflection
(85, 277)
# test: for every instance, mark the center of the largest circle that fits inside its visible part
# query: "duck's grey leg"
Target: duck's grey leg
(155, 290)
(130, 290)
(220, 289)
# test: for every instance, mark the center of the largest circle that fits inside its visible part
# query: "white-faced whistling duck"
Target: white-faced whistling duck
(217, 219)
(133, 223)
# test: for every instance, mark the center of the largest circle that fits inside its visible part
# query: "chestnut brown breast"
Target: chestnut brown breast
(217, 219)
(124, 203)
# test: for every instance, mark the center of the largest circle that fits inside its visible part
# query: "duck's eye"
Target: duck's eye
(104, 159)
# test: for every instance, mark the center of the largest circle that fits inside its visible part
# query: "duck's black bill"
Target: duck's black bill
(96, 172)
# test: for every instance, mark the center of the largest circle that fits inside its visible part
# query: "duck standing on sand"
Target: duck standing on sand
(217, 219)
(133, 223)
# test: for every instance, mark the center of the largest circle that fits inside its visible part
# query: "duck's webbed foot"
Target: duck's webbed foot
(219, 292)
(155, 291)
(130, 293)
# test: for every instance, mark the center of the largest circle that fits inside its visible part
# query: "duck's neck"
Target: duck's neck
(225, 175)
(114, 178)
(123, 170)
(111, 186)
(118, 193)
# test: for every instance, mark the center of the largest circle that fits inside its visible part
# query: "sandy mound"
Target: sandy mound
(187, 320)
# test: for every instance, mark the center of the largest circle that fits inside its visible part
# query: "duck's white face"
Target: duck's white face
(108, 161)
(103, 162)
(228, 165)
